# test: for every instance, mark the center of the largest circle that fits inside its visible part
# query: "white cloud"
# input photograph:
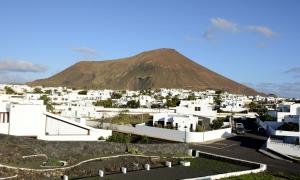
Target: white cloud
(261, 45)
(224, 24)
(294, 70)
(192, 39)
(267, 32)
(10, 65)
(208, 35)
(85, 50)
(285, 89)
(6, 78)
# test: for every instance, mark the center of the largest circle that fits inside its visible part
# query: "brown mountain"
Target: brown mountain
(161, 68)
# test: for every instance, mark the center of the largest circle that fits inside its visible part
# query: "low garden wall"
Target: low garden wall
(257, 167)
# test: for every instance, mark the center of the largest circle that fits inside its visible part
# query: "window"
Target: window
(197, 108)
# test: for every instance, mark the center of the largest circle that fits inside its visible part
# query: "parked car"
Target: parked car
(239, 125)
(240, 130)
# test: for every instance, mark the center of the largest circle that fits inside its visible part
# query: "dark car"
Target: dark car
(240, 130)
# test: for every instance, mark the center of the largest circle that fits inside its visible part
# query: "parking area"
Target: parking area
(219, 145)
(246, 147)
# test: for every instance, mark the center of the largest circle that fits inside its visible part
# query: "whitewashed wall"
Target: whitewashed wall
(27, 120)
(174, 135)
(287, 133)
(4, 128)
(208, 135)
(284, 148)
(94, 136)
(56, 127)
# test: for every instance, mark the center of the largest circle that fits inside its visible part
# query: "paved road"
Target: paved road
(246, 147)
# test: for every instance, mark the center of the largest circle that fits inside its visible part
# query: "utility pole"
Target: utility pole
(185, 133)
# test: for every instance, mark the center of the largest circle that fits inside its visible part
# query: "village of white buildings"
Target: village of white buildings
(63, 114)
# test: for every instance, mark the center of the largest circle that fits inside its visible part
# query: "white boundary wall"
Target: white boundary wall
(174, 135)
(262, 168)
(4, 128)
(284, 148)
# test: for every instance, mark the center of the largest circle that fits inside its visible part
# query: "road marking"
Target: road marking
(211, 146)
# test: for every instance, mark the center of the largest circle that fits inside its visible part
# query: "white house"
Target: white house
(145, 100)
(31, 119)
(177, 121)
(285, 109)
(199, 107)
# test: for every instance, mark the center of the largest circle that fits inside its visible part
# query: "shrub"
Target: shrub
(101, 138)
(120, 138)
(133, 104)
(38, 91)
(144, 140)
(289, 127)
(105, 103)
(83, 92)
(216, 124)
(199, 128)
(53, 162)
(173, 102)
(133, 150)
(47, 102)
(116, 95)
(9, 90)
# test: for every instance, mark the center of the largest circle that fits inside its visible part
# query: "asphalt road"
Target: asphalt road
(246, 147)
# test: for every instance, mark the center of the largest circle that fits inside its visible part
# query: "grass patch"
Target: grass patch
(128, 138)
(215, 166)
(53, 162)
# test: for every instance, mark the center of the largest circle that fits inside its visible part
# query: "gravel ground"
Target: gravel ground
(199, 167)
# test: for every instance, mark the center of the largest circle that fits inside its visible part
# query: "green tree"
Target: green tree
(38, 91)
(120, 138)
(252, 107)
(48, 92)
(289, 127)
(105, 103)
(216, 124)
(116, 95)
(173, 102)
(218, 100)
(219, 92)
(191, 97)
(133, 104)
(144, 140)
(83, 92)
(47, 102)
(9, 90)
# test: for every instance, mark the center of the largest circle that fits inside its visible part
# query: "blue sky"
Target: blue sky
(254, 42)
